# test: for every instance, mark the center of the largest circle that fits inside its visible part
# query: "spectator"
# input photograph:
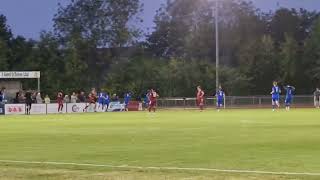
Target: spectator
(47, 99)
(21, 97)
(73, 98)
(66, 99)
(2, 95)
(115, 98)
(16, 99)
(34, 96)
(82, 97)
(317, 98)
(39, 98)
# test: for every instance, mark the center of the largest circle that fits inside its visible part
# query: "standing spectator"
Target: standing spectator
(115, 98)
(66, 99)
(317, 98)
(47, 99)
(21, 97)
(34, 96)
(2, 95)
(39, 99)
(73, 98)
(16, 99)
(82, 97)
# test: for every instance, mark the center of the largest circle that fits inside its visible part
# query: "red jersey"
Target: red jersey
(200, 98)
(200, 95)
(153, 96)
(59, 99)
(92, 99)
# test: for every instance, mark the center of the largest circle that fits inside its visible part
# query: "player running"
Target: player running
(127, 98)
(92, 101)
(275, 96)
(317, 98)
(95, 98)
(107, 101)
(146, 100)
(289, 96)
(153, 95)
(101, 100)
(200, 98)
(220, 95)
(60, 102)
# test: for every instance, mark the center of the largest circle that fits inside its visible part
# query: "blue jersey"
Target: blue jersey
(289, 92)
(146, 98)
(101, 98)
(220, 95)
(276, 92)
(107, 99)
(127, 98)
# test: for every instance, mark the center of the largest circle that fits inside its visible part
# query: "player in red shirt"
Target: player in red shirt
(153, 100)
(95, 98)
(92, 101)
(60, 102)
(200, 98)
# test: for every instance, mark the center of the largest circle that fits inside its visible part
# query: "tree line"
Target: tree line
(99, 44)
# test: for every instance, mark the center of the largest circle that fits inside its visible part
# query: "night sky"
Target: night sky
(29, 17)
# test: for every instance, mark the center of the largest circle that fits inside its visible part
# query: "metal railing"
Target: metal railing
(235, 102)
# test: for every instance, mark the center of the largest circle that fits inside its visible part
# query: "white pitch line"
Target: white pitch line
(162, 168)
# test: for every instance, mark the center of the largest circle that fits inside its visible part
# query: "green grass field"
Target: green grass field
(255, 140)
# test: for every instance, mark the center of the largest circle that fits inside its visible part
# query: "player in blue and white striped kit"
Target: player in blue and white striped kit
(220, 98)
(127, 99)
(107, 100)
(289, 96)
(275, 95)
(101, 100)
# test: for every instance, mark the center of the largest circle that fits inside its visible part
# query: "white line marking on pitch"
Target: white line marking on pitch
(162, 168)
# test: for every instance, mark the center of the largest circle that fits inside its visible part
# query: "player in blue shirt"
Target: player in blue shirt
(101, 100)
(220, 98)
(275, 96)
(107, 100)
(289, 95)
(127, 98)
(146, 99)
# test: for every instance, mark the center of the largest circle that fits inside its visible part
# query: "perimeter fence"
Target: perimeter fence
(301, 101)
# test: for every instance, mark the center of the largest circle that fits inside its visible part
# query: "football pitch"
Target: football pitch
(231, 144)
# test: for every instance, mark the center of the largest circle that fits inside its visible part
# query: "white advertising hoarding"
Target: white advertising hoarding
(19, 74)
(15, 109)
(38, 109)
(53, 108)
(116, 107)
(76, 107)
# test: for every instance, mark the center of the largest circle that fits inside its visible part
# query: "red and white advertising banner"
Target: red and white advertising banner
(15, 109)
(133, 106)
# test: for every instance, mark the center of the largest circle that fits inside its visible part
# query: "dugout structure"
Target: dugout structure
(21, 75)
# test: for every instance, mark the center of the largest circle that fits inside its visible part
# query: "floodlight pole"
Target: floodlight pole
(217, 44)
(39, 84)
